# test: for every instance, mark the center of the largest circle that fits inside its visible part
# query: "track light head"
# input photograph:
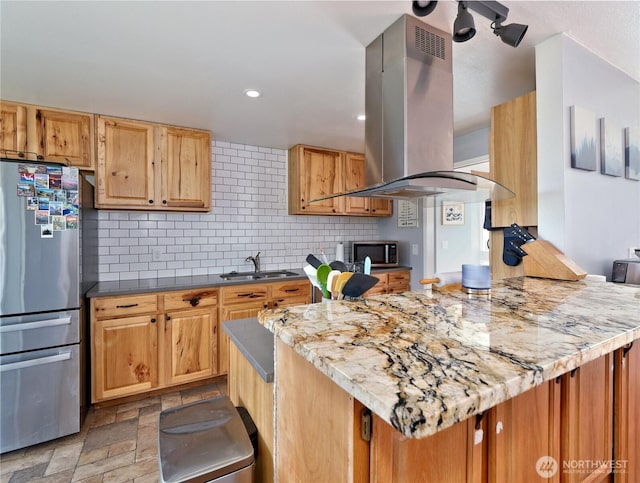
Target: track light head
(463, 28)
(422, 8)
(511, 34)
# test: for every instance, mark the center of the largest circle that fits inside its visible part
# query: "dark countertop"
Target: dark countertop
(254, 342)
(147, 285)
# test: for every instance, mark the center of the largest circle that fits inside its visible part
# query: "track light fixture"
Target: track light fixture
(464, 28)
(422, 8)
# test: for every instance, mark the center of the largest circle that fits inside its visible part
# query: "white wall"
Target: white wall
(591, 217)
(249, 214)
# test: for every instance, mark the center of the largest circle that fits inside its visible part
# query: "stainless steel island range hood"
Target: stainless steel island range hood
(409, 118)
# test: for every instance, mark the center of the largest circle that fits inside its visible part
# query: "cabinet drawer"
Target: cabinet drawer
(295, 288)
(239, 293)
(190, 298)
(109, 307)
(399, 278)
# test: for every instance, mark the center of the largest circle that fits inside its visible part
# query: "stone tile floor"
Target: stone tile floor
(115, 444)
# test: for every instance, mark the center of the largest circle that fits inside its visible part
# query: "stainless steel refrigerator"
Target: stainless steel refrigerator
(45, 212)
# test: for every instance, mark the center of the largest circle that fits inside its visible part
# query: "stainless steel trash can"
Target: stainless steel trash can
(204, 441)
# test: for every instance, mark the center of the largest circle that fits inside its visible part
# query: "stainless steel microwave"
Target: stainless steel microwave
(382, 253)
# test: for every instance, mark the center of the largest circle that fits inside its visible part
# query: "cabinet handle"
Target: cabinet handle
(289, 290)
(250, 295)
(265, 306)
(194, 301)
(626, 350)
(150, 202)
(275, 304)
(167, 317)
(153, 321)
(479, 420)
(164, 202)
(573, 372)
(126, 306)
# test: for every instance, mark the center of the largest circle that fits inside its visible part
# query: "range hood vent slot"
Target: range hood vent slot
(429, 43)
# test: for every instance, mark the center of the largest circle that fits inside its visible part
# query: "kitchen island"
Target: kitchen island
(493, 385)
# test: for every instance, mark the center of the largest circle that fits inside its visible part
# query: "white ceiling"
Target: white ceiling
(187, 63)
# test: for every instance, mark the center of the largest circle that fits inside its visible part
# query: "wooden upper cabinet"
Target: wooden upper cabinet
(513, 160)
(186, 168)
(65, 137)
(13, 129)
(318, 172)
(53, 135)
(314, 173)
(126, 162)
(354, 179)
(146, 166)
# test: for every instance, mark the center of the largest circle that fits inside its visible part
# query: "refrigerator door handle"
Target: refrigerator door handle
(35, 362)
(35, 325)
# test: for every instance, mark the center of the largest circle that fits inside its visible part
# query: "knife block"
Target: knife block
(546, 261)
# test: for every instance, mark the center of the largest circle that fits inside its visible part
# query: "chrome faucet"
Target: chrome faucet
(255, 260)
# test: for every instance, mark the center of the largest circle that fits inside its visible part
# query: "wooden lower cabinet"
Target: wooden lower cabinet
(317, 428)
(626, 443)
(521, 431)
(189, 339)
(559, 431)
(151, 341)
(245, 301)
(392, 281)
(586, 415)
(456, 454)
(125, 356)
(248, 389)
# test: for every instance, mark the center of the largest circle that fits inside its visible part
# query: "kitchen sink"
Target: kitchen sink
(242, 276)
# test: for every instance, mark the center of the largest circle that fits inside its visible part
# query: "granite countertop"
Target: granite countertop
(147, 285)
(425, 360)
(254, 342)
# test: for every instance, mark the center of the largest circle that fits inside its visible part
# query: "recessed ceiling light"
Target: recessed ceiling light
(361, 117)
(252, 93)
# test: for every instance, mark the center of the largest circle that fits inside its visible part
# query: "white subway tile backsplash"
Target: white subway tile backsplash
(249, 215)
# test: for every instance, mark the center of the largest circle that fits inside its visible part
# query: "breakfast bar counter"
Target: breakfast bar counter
(425, 361)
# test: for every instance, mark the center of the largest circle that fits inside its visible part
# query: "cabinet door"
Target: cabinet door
(380, 207)
(186, 168)
(125, 172)
(587, 420)
(521, 431)
(64, 137)
(314, 173)
(626, 445)
(457, 453)
(190, 345)
(13, 130)
(125, 357)
(234, 312)
(354, 178)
